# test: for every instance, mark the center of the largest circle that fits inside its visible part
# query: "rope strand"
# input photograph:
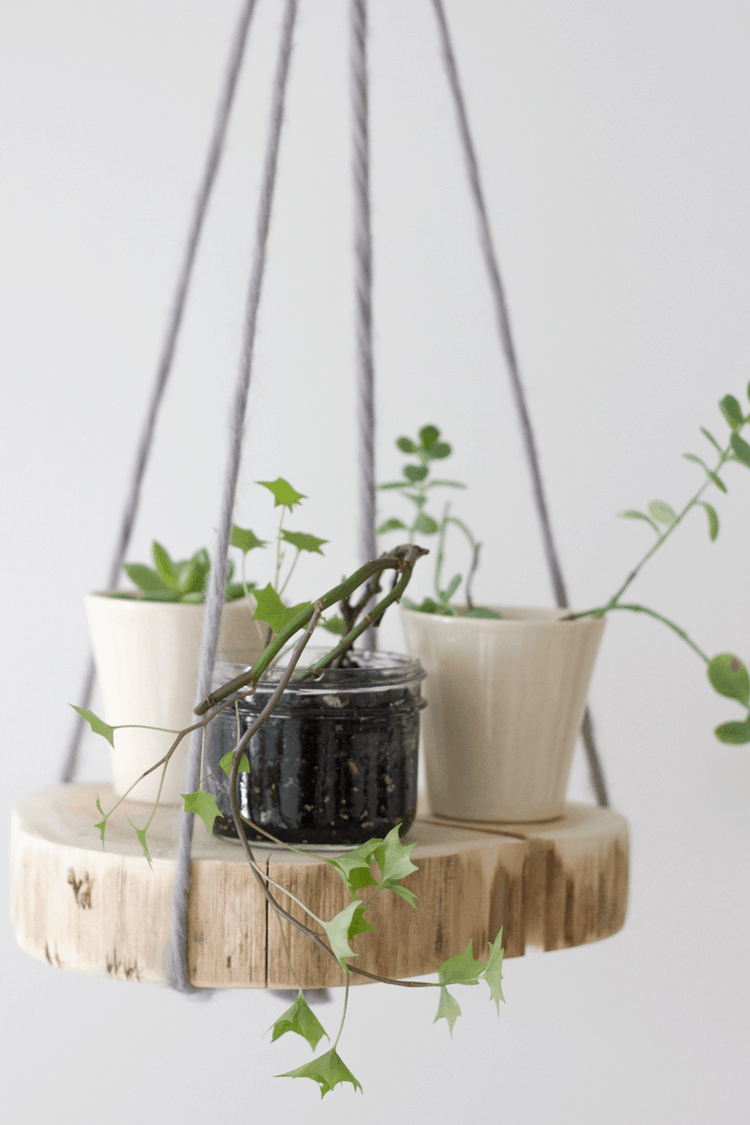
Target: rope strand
(506, 339)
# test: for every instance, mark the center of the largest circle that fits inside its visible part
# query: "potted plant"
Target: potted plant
(507, 686)
(379, 863)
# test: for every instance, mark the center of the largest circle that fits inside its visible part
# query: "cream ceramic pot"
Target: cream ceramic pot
(505, 705)
(146, 656)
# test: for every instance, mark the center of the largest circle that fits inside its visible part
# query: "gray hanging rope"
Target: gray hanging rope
(506, 338)
(363, 286)
(179, 974)
(215, 150)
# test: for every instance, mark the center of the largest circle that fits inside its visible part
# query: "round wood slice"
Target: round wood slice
(107, 913)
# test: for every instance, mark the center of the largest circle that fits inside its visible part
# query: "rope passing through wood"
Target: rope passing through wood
(163, 371)
(367, 547)
(489, 253)
(179, 973)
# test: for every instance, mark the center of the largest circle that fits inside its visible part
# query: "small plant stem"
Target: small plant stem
(612, 604)
(397, 559)
(441, 552)
(343, 1015)
(600, 610)
(291, 572)
(244, 577)
(279, 558)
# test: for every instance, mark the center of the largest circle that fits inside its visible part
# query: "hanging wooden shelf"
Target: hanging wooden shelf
(550, 886)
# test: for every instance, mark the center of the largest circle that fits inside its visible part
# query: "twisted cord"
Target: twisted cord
(506, 338)
(179, 973)
(164, 368)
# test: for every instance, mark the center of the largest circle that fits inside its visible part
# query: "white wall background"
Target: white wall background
(614, 146)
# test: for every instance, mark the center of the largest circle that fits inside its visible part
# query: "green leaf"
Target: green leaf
(440, 450)
(302, 1021)
(406, 445)
(392, 484)
(226, 763)
(425, 524)
(462, 969)
(141, 834)
(741, 449)
(402, 892)
(662, 512)
(732, 411)
(327, 1070)
(415, 473)
(698, 460)
(734, 733)
(303, 542)
(102, 825)
(272, 610)
(448, 1009)
(391, 525)
(164, 565)
(712, 439)
(428, 435)
(283, 494)
(346, 924)
(354, 867)
(203, 805)
(445, 484)
(97, 725)
(147, 579)
(335, 625)
(427, 605)
(245, 539)
(447, 594)
(632, 514)
(728, 676)
(713, 521)
(712, 476)
(392, 857)
(717, 481)
(493, 974)
(482, 611)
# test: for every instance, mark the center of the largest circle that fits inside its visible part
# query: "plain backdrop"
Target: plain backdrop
(613, 141)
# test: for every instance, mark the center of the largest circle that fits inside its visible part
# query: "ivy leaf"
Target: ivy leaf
(734, 733)
(245, 539)
(284, 495)
(428, 435)
(482, 611)
(392, 857)
(402, 892)
(354, 866)
(203, 805)
(303, 542)
(712, 439)
(493, 974)
(415, 473)
(97, 725)
(662, 512)
(732, 411)
(141, 834)
(327, 1070)
(335, 625)
(448, 1009)
(439, 450)
(728, 676)
(425, 524)
(226, 763)
(462, 969)
(713, 521)
(146, 579)
(391, 525)
(272, 610)
(632, 514)
(346, 924)
(406, 445)
(302, 1021)
(741, 449)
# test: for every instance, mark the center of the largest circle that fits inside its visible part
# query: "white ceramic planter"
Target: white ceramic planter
(505, 704)
(147, 659)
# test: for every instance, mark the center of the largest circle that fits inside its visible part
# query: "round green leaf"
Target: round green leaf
(662, 512)
(732, 411)
(728, 676)
(391, 525)
(741, 449)
(415, 473)
(735, 733)
(439, 450)
(406, 445)
(428, 435)
(425, 525)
